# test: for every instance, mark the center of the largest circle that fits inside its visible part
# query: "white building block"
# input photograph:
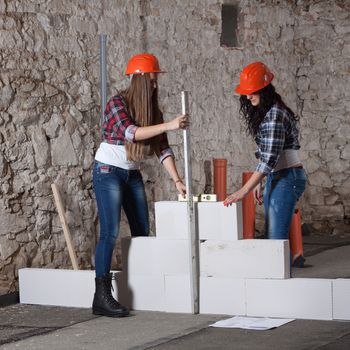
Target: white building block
(173, 256)
(171, 219)
(248, 258)
(222, 296)
(341, 298)
(215, 221)
(178, 293)
(74, 288)
(304, 298)
(139, 255)
(150, 255)
(142, 292)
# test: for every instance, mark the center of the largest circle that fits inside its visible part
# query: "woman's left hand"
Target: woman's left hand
(181, 188)
(235, 197)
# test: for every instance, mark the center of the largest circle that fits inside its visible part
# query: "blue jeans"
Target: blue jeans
(282, 190)
(116, 188)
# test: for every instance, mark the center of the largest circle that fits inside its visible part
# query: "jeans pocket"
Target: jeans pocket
(103, 169)
(299, 188)
(280, 183)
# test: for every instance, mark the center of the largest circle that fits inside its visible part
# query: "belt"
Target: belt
(282, 172)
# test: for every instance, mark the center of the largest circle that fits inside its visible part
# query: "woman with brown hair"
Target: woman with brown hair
(133, 128)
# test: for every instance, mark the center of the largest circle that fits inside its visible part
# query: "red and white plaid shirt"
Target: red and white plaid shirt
(118, 126)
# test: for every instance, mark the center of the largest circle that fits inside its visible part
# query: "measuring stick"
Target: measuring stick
(191, 215)
(103, 75)
(66, 232)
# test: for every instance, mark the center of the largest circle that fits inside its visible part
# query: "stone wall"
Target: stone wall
(49, 106)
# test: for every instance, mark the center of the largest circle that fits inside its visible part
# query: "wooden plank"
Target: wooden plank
(65, 227)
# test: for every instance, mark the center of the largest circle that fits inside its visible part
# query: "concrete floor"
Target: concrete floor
(33, 327)
(41, 328)
(326, 257)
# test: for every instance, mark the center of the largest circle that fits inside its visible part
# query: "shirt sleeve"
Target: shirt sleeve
(117, 121)
(164, 148)
(271, 142)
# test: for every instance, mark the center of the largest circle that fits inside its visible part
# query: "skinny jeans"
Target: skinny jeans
(117, 188)
(282, 190)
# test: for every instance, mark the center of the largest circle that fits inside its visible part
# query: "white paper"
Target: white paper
(256, 323)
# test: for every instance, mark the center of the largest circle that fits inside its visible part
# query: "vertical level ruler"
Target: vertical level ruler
(191, 215)
(103, 75)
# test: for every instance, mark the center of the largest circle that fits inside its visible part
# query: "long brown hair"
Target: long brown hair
(143, 107)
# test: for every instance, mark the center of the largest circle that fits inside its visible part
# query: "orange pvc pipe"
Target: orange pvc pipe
(248, 210)
(295, 236)
(220, 178)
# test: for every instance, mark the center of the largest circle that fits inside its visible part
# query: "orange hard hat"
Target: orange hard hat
(253, 78)
(143, 63)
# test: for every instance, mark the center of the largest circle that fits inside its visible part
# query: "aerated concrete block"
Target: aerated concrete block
(139, 255)
(341, 299)
(222, 296)
(305, 298)
(249, 258)
(151, 255)
(215, 221)
(142, 292)
(173, 256)
(73, 288)
(171, 219)
(178, 293)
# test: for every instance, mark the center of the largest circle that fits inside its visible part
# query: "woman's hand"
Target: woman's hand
(235, 197)
(180, 122)
(180, 187)
(258, 197)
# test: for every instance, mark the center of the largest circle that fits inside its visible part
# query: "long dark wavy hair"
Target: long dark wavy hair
(254, 115)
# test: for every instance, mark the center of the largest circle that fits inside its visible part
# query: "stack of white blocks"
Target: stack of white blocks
(58, 287)
(237, 277)
(157, 269)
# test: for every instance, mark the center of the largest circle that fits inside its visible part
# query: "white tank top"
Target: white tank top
(115, 155)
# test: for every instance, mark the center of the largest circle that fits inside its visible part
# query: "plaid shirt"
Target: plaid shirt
(278, 131)
(119, 126)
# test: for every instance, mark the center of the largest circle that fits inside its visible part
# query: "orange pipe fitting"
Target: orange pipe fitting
(295, 236)
(248, 210)
(220, 178)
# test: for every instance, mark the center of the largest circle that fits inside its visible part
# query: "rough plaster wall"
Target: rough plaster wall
(49, 116)
(49, 106)
(322, 48)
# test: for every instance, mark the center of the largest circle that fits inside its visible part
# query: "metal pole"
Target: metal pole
(191, 215)
(103, 74)
(103, 93)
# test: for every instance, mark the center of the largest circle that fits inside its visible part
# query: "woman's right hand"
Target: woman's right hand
(258, 197)
(180, 122)
(181, 187)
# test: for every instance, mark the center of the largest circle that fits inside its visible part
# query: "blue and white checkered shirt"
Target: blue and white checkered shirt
(278, 131)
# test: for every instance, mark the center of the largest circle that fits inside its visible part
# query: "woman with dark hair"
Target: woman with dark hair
(133, 128)
(274, 128)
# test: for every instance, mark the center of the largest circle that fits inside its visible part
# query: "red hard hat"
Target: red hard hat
(253, 78)
(143, 63)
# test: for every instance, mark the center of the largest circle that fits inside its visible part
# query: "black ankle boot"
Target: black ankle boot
(104, 303)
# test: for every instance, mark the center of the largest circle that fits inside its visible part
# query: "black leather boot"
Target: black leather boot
(104, 304)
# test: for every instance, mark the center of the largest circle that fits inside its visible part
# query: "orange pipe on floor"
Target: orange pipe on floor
(220, 178)
(248, 210)
(295, 236)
